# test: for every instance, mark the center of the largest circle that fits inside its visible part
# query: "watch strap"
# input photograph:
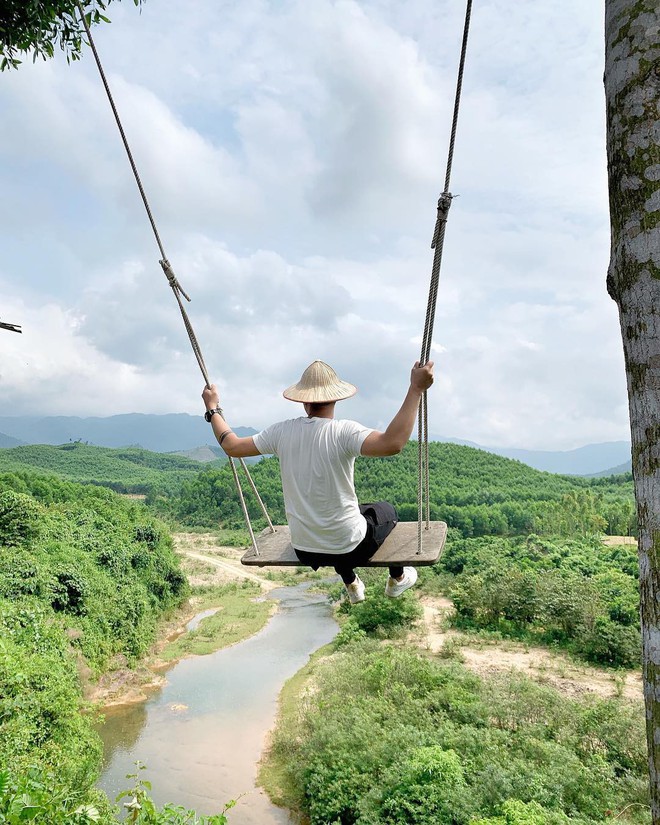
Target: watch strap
(208, 415)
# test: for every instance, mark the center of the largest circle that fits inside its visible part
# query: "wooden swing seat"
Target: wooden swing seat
(399, 548)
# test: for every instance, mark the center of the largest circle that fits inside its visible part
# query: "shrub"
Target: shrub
(515, 812)
(612, 644)
(349, 632)
(68, 591)
(568, 592)
(19, 518)
(388, 737)
(382, 615)
(429, 788)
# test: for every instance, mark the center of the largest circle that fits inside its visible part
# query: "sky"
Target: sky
(293, 152)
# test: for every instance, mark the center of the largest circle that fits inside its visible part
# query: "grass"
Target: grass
(239, 617)
(290, 576)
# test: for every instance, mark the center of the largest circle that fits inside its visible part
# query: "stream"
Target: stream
(202, 735)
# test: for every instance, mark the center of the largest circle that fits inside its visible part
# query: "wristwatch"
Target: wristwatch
(208, 415)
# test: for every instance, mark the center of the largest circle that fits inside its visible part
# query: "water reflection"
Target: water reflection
(202, 735)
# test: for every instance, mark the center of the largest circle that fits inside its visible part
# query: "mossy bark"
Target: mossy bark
(632, 88)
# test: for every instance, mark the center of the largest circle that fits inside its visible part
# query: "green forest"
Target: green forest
(84, 575)
(87, 574)
(126, 470)
(476, 492)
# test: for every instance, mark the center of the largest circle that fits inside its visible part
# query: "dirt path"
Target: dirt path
(230, 569)
(207, 562)
(613, 541)
(540, 664)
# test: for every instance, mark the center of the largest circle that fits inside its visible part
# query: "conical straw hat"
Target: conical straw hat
(319, 384)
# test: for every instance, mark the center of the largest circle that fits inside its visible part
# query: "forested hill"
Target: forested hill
(472, 490)
(129, 470)
(85, 577)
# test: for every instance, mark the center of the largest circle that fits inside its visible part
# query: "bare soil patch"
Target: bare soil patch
(544, 666)
(614, 541)
(206, 562)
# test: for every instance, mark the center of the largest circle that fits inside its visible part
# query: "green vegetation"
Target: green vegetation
(377, 616)
(383, 736)
(85, 576)
(37, 29)
(101, 567)
(38, 796)
(127, 470)
(476, 492)
(575, 593)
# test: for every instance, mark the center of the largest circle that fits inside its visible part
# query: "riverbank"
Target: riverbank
(219, 584)
(240, 613)
(202, 735)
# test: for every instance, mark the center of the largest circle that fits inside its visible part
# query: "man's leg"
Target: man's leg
(384, 519)
(347, 574)
(352, 582)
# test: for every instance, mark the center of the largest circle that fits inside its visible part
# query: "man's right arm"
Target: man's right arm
(396, 436)
(232, 444)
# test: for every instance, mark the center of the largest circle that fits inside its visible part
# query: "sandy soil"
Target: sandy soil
(613, 541)
(218, 564)
(540, 664)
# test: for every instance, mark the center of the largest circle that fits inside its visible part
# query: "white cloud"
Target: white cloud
(293, 154)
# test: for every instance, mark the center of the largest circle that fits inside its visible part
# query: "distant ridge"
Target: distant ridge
(586, 460)
(6, 441)
(592, 459)
(126, 470)
(159, 433)
(181, 433)
(614, 471)
(202, 454)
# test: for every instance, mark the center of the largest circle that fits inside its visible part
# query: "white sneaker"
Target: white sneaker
(355, 590)
(395, 588)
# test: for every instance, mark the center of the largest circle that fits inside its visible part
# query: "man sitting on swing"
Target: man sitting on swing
(317, 454)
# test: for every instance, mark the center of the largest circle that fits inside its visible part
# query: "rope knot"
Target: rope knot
(171, 277)
(444, 202)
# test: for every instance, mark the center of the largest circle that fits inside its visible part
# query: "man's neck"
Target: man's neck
(320, 410)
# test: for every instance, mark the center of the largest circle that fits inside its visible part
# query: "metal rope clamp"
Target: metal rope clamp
(171, 277)
(444, 202)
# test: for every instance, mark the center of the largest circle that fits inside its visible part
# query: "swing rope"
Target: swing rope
(437, 244)
(173, 281)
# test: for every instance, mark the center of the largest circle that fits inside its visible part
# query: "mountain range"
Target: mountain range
(191, 435)
(173, 432)
(609, 458)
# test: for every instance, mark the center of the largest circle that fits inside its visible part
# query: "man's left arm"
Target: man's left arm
(232, 444)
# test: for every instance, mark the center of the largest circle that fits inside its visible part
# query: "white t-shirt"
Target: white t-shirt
(317, 456)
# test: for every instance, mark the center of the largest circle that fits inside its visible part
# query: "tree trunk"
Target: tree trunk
(632, 89)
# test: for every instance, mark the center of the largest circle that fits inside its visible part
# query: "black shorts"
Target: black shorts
(381, 518)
